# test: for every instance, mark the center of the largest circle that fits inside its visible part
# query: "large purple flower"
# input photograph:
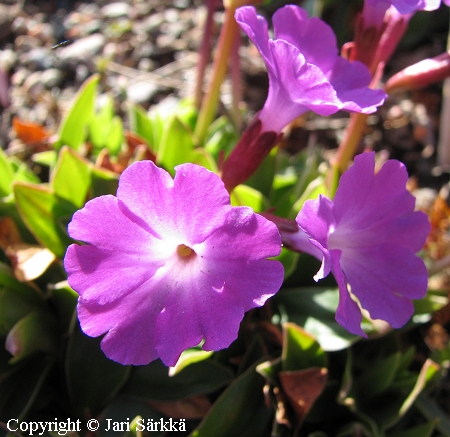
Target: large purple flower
(169, 263)
(305, 71)
(367, 237)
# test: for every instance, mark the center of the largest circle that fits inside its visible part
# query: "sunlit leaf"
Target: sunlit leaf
(44, 214)
(70, 178)
(243, 195)
(6, 174)
(176, 146)
(73, 129)
(300, 349)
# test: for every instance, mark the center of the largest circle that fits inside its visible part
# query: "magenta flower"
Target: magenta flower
(368, 236)
(374, 10)
(169, 263)
(305, 71)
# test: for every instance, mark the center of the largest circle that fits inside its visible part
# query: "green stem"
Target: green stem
(211, 98)
(346, 150)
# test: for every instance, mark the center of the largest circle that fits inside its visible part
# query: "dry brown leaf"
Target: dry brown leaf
(28, 132)
(302, 388)
(194, 407)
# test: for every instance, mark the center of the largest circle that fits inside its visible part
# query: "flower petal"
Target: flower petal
(348, 313)
(129, 323)
(118, 248)
(351, 82)
(256, 29)
(385, 278)
(316, 218)
(176, 207)
(371, 209)
(313, 38)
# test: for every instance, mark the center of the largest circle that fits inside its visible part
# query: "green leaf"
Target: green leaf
(73, 129)
(201, 157)
(22, 385)
(64, 300)
(424, 430)
(146, 126)
(243, 195)
(300, 349)
(105, 129)
(262, 179)
(71, 177)
(33, 333)
(314, 308)
(44, 214)
(92, 379)
(153, 381)
(8, 280)
(6, 174)
(427, 373)
(432, 302)
(289, 259)
(221, 136)
(22, 172)
(122, 410)
(379, 377)
(103, 182)
(16, 304)
(432, 411)
(47, 158)
(177, 145)
(239, 411)
(188, 357)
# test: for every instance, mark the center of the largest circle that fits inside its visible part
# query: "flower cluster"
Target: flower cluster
(171, 264)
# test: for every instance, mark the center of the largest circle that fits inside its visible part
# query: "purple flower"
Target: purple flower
(367, 237)
(169, 263)
(374, 10)
(305, 71)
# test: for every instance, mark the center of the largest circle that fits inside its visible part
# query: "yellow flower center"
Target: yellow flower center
(185, 251)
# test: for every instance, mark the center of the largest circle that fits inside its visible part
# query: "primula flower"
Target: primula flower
(367, 237)
(305, 70)
(374, 10)
(169, 263)
(305, 73)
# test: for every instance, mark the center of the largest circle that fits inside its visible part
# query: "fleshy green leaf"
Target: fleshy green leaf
(188, 357)
(153, 381)
(177, 145)
(424, 430)
(313, 308)
(243, 195)
(91, 377)
(33, 333)
(45, 215)
(105, 129)
(239, 411)
(300, 349)
(73, 129)
(71, 177)
(6, 174)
